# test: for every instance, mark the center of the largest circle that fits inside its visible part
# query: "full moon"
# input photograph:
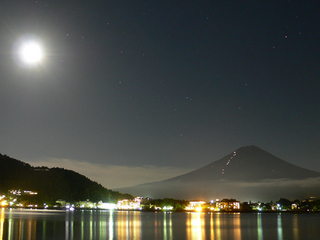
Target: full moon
(31, 53)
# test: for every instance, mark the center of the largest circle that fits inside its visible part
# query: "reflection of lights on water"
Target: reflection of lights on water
(165, 225)
(295, 227)
(195, 226)
(199, 227)
(111, 234)
(67, 227)
(280, 234)
(128, 224)
(107, 225)
(259, 227)
(1, 222)
(211, 227)
(218, 227)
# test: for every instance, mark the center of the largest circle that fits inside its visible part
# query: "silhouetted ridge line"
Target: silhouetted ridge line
(52, 183)
(247, 173)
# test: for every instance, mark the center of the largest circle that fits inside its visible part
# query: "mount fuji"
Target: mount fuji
(248, 173)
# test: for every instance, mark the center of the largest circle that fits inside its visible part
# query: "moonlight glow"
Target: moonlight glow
(31, 53)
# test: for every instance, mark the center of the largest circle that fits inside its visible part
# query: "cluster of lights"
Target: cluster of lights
(227, 205)
(11, 200)
(15, 192)
(4, 203)
(30, 192)
(127, 204)
(18, 192)
(87, 204)
(70, 207)
(109, 206)
(32, 206)
(165, 208)
(168, 208)
(195, 206)
(279, 207)
(124, 204)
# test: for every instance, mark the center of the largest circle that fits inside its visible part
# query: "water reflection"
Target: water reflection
(236, 226)
(217, 229)
(259, 227)
(279, 227)
(195, 226)
(128, 225)
(295, 228)
(16, 228)
(213, 226)
(1, 222)
(167, 226)
(122, 225)
(102, 225)
(83, 225)
(111, 226)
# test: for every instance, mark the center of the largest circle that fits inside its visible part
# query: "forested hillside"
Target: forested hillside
(52, 183)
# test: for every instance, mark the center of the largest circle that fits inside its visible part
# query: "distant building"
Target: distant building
(145, 202)
(103, 205)
(86, 204)
(128, 204)
(228, 204)
(196, 206)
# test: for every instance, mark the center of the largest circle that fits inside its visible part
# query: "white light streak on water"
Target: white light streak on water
(279, 227)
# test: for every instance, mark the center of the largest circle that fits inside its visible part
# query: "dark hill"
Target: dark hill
(52, 183)
(248, 173)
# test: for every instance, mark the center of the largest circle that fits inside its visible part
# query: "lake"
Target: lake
(90, 225)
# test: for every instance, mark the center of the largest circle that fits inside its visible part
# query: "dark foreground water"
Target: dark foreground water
(87, 225)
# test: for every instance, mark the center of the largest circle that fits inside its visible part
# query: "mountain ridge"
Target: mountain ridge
(52, 183)
(273, 165)
(247, 173)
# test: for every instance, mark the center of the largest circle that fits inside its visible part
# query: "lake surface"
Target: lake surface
(90, 225)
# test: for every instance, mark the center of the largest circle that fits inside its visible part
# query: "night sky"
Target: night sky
(137, 91)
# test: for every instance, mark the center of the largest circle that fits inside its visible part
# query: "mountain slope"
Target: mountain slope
(51, 183)
(248, 173)
(249, 164)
